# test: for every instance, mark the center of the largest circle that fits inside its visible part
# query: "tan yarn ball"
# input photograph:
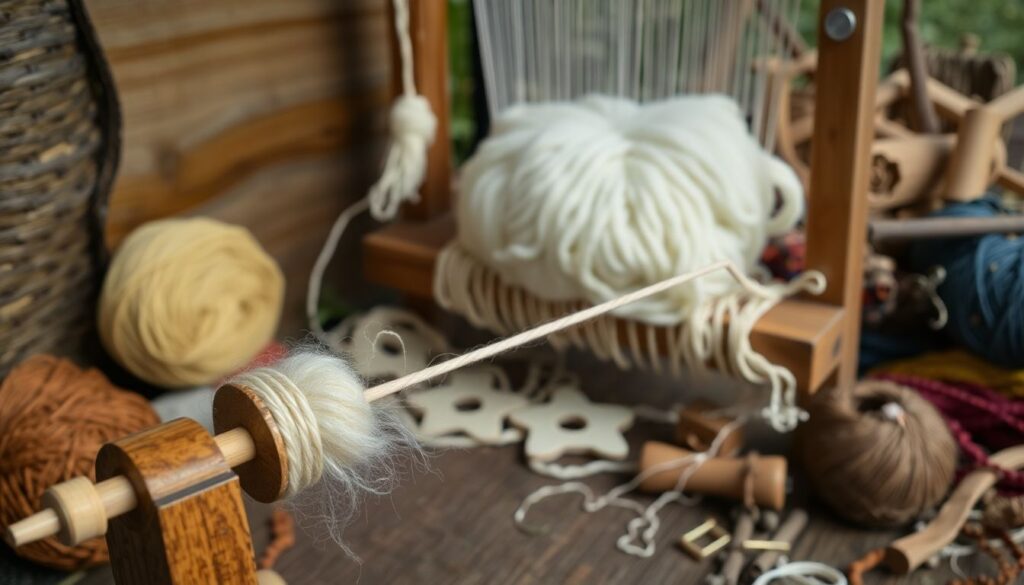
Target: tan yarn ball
(880, 459)
(188, 301)
(54, 417)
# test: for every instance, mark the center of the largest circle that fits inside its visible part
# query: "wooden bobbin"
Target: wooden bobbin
(265, 477)
(717, 476)
(80, 509)
(189, 523)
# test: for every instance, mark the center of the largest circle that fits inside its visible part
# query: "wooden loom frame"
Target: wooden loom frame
(815, 338)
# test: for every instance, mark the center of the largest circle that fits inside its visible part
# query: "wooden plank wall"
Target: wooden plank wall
(267, 113)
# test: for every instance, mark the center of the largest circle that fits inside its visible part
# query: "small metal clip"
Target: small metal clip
(711, 529)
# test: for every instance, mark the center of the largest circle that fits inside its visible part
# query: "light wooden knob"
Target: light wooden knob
(80, 509)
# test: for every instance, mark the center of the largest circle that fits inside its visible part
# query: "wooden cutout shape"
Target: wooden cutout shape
(474, 401)
(379, 356)
(570, 424)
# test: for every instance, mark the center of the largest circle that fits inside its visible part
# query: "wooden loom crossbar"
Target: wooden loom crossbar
(816, 339)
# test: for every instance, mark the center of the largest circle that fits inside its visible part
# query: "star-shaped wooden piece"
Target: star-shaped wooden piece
(570, 424)
(471, 403)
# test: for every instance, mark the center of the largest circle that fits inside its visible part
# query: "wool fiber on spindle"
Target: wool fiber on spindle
(339, 447)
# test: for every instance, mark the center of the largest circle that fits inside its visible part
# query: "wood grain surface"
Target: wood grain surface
(265, 113)
(190, 524)
(452, 524)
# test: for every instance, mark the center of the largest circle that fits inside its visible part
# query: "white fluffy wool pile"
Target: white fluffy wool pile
(337, 443)
(594, 198)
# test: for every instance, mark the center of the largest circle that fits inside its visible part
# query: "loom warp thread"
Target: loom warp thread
(54, 417)
(984, 287)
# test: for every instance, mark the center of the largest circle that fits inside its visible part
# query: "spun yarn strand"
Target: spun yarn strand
(413, 127)
(339, 448)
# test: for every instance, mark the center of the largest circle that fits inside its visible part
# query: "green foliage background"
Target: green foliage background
(999, 24)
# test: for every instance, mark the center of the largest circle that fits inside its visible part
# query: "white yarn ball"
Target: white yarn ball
(595, 198)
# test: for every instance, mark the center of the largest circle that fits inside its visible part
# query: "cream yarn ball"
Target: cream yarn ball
(186, 302)
(598, 197)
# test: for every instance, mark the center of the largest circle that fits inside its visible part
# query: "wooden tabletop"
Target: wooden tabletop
(452, 523)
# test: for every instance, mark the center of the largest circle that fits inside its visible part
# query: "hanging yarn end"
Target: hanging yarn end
(413, 126)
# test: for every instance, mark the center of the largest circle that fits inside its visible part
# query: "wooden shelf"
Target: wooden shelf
(803, 335)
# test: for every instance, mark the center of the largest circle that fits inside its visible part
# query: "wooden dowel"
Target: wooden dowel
(788, 532)
(38, 526)
(969, 169)
(884, 230)
(1012, 179)
(118, 495)
(907, 553)
(1009, 105)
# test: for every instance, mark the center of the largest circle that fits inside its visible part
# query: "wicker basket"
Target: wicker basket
(59, 129)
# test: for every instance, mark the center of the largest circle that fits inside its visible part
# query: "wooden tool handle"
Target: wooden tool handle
(76, 523)
(906, 554)
(884, 230)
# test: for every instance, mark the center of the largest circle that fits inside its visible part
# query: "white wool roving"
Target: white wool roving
(333, 437)
(594, 198)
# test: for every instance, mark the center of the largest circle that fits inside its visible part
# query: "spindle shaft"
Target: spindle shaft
(118, 495)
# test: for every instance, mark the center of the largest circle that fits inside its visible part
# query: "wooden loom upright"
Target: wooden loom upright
(815, 338)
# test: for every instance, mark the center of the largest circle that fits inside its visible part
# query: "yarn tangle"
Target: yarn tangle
(188, 301)
(975, 414)
(54, 418)
(958, 366)
(984, 287)
(880, 456)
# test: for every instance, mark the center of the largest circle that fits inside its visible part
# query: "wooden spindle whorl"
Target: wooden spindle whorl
(265, 476)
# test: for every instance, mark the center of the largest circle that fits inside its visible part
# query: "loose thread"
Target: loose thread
(641, 530)
(412, 126)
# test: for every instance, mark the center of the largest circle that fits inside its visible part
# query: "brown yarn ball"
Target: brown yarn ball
(54, 417)
(881, 457)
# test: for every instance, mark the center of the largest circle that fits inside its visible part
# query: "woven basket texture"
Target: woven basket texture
(50, 147)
